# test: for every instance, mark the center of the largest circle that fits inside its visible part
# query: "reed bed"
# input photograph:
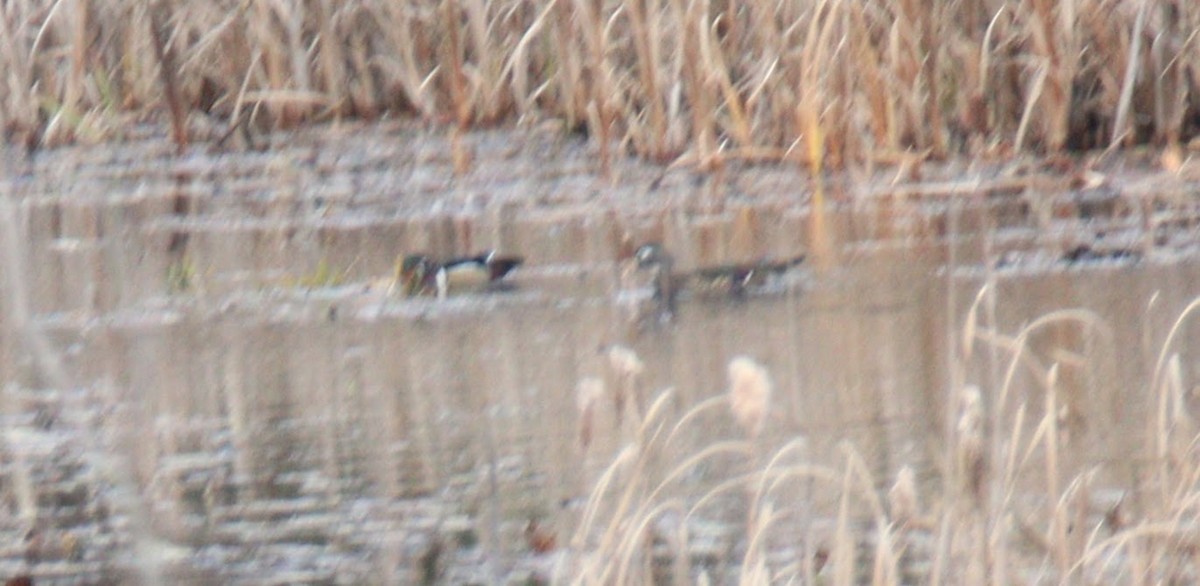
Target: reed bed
(1012, 501)
(698, 83)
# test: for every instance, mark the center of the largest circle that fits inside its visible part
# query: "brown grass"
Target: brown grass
(1018, 503)
(699, 82)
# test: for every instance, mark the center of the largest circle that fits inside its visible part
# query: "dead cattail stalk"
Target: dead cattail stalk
(81, 31)
(20, 105)
(807, 117)
(902, 498)
(696, 68)
(644, 24)
(167, 67)
(871, 76)
(460, 152)
(597, 121)
(587, 396)
(403, 39)
(492, 102)
(453, 63)
(332, 56)
(626, 368)
(970, 448)
(1059, 522)
(739, 124)
(1120, 126)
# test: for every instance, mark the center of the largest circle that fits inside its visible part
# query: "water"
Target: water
(334, 434)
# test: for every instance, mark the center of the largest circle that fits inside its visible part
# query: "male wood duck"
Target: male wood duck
(417, 274)
(732, 280)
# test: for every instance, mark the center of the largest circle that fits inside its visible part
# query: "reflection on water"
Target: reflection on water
(341, 400)
(355, 422)
(337, 435)
(340, 411)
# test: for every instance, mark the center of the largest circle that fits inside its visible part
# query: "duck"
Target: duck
(420, 275)
(737, 279)
(660, 265)
(731, 280)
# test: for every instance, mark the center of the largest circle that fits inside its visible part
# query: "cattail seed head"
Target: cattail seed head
(624, 361)
(749, 394)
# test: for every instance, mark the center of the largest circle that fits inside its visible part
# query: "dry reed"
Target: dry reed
(1033, 512)
(687, 80)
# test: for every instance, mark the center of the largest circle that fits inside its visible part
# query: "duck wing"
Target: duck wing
(499, 266)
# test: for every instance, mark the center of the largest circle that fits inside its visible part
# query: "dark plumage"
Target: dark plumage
(732, 280)
(737, 278)
(655, 259)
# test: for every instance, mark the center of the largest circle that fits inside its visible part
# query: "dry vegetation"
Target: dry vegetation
(824, 83)
(1012, 502)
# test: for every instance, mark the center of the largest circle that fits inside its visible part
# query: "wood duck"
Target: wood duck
(417, 274)
(655, 260)
(736, 279)
(732, 280)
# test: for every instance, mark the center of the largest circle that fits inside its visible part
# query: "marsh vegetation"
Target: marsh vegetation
(982, 373)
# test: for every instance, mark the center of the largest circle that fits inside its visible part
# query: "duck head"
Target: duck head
(414, 274)
(651, 255)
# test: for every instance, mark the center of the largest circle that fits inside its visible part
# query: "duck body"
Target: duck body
(419, 275)
(655, 260)
(736, 279)
(726, 280)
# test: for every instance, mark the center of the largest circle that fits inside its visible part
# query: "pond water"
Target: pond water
(224, 330)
